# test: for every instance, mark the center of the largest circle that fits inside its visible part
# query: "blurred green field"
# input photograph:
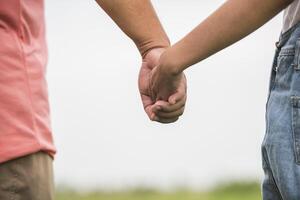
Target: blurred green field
(233, 191)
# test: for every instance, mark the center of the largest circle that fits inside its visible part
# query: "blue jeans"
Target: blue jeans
(281, 145)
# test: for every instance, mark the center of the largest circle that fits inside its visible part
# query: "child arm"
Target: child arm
(233, 21)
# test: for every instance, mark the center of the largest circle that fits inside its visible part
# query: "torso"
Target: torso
(24, 109)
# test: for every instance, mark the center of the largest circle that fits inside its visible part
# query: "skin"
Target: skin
(233, 21)
(158, 110)
(138, 20)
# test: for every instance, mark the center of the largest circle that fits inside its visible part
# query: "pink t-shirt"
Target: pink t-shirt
(24, 109)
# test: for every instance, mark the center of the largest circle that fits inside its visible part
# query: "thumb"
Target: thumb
(180, 93)
(173, 98)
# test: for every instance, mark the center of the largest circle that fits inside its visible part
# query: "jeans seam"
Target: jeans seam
(294, 100)
(296, 61)
(267, 167)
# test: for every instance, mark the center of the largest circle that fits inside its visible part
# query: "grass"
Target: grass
(233, 191)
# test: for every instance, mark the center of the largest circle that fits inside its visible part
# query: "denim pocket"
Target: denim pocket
(285, 59)
(296, 62)
(296, 126)
(284, 68)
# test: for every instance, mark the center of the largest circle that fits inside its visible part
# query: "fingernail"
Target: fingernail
(152, 117)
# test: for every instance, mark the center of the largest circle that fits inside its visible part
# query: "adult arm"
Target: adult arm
(138, 20)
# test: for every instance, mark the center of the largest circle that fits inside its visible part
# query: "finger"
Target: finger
(163, 106)
(166, 121)
(146, 100)
(180, 92)
(148, 106)
(170, 115)
(143, 78)
(150, 113)
(177, 96)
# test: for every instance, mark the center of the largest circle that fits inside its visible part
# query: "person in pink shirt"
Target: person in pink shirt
(26, 144)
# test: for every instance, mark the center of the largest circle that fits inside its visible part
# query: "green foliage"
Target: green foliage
(233, 191)
(238, 190)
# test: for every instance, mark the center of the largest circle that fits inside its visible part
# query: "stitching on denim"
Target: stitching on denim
(296, 63)
(272, 81)
(287, 52)
(267, 166)
(295, 105)
(294, 135)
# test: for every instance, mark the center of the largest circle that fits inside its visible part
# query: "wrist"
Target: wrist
(147, 45)
(168, 64)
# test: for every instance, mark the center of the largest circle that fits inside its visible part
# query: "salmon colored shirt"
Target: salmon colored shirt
(24, 109)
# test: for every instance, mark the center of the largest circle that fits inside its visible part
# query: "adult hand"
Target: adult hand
(163, 101)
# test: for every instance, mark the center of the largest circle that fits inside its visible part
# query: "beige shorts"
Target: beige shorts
(27, 178)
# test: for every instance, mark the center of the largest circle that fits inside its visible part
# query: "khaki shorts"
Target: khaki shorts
(27, 178)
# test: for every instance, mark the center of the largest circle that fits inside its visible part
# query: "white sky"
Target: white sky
(103, 137)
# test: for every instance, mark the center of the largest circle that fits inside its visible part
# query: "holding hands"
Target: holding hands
(163, 94)
(161, 82)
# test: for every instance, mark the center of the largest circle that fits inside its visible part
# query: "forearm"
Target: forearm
(230, 23)
(138, 20)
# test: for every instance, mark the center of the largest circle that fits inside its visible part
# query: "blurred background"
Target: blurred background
(107, 147)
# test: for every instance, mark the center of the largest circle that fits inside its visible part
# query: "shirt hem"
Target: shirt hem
(23, 151)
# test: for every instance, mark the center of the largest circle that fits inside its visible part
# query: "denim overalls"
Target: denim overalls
(281, 145)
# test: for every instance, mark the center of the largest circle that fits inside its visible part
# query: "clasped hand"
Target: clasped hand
(163, 94)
